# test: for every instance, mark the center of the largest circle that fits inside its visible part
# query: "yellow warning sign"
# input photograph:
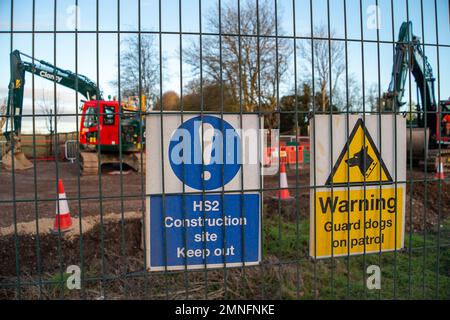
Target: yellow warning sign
(358, 208)
(360, 161)
(359, 221)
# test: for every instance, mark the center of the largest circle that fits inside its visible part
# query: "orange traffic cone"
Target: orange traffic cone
(283, 193)
(63, 221)
(439, 170)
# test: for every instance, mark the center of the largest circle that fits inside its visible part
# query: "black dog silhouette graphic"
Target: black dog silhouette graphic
(363, 160)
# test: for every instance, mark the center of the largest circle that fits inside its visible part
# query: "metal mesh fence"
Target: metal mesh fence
(117, 79)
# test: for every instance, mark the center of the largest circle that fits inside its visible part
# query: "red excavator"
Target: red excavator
(108, 134)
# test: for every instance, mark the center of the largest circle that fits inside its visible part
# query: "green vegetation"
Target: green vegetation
(420, 271)
(57, 282)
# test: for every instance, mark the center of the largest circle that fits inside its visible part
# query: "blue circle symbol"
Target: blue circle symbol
(204, 152)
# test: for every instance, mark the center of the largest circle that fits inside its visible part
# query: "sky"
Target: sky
(105, 70)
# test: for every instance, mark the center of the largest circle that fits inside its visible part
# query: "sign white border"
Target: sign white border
(154, 137)
(323, 153)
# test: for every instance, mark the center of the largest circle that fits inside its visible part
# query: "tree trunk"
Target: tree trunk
(323, 95)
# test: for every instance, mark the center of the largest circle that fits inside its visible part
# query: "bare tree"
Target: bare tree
(353, 96)
(138, 79)
(372, 101)
(49, 110)
(52, 114)
(327, 59)
(248, 66)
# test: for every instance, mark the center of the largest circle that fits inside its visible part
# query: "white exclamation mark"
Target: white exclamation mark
(207, 132)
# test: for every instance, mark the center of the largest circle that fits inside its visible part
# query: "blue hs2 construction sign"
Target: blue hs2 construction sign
(199, 212)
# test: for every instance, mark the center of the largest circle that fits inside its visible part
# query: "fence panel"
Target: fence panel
(226, 149)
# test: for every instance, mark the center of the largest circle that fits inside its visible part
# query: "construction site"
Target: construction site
(107, 228)
(237, 183)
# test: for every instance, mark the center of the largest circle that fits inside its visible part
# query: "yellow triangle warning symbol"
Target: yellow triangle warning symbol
(360, 161)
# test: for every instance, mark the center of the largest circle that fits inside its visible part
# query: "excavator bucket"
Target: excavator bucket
(20, 161)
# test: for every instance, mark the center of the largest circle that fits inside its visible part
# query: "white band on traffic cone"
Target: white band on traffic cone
(63, 205)
(283, 180)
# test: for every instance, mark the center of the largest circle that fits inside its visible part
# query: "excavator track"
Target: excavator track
(139, 159)
(89, 161)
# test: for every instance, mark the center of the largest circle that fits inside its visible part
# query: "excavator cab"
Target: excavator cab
(109, 135)
(100, 126)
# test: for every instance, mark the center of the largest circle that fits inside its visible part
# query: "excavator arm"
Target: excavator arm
(14, 107)
(409, 56)
(423, 139)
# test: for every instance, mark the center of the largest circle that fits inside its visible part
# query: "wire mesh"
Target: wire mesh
(288, 63)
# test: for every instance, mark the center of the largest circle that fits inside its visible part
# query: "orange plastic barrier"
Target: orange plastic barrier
(288, 155)
(292, 153)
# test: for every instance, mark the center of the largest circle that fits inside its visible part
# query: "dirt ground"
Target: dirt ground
(114, 247)
(33, 196)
